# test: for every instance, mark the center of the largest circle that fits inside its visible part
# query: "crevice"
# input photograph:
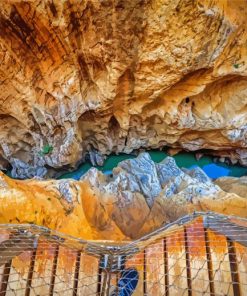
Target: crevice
(113, 128)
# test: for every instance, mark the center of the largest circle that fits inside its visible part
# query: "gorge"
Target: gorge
(139, 197)
(105, 77)
(123, 147)
(98, 81)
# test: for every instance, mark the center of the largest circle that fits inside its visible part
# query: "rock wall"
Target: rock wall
(113, 76)
(139, 197)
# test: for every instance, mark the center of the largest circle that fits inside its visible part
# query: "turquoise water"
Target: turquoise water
(183, 159)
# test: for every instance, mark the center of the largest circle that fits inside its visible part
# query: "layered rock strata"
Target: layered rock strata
(114, 76)
(139, 197)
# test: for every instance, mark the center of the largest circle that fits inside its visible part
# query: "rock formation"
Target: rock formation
(233, 185)
(114, 76)
(139, 197)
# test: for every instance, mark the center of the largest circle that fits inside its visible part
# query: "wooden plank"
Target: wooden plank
(43, 268)
(220, 264)
(197, 258)
(19, 274)
(88, 275)
(177, 264)
(65, 272)
(155, 269)
(241, 256)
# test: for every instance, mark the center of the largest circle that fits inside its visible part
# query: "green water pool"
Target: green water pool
(183, 159)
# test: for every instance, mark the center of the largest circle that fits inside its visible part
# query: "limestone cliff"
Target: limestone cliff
(112, 76)
(139, 197)
(233, 185)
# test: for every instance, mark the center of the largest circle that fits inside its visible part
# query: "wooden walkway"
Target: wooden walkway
(203, 254)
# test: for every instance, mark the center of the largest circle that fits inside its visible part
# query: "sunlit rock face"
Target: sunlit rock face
(113, 76)
(233, 185)
(139, 197)
(146, 195)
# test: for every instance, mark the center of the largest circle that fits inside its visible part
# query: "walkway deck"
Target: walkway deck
(201, 254)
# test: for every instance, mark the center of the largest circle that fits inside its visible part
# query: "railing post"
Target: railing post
(99, 279)
(166, 267)
(5, 278)
(187, 256)
(77, 272)
(30, 273)
(209, 263)
(233, 268)
(54, 270)
(144, 273)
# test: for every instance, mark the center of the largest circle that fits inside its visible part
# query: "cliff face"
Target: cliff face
(139, 197)
(114, 76)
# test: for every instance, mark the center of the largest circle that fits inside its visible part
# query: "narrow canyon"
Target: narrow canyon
(82, 80)
(123, 147)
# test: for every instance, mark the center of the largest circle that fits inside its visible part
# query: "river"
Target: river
(183, 159)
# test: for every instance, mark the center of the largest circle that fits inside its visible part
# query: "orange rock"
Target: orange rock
(115, 77)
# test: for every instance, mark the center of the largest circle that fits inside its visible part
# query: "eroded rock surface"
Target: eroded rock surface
(158, 193)
(233, 185)
(139, 197)
(113, 76)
